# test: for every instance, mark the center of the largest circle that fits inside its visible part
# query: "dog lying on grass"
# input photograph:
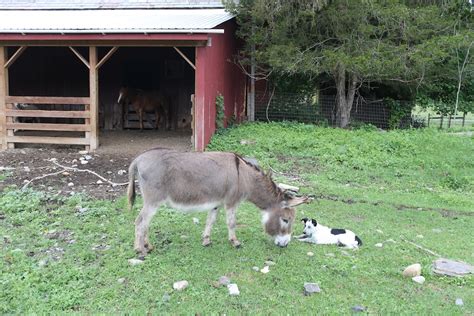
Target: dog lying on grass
(318, 234)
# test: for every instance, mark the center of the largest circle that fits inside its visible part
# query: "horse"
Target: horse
(145, 101)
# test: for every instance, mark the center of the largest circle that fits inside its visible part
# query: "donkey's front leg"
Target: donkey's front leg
(211, 219)
(231, 223)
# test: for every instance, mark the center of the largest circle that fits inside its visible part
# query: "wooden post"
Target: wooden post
(429, 119)
(94, 99)
(441, 122)
(3, 94)
(193, 141)
(463, 119)
(449, 120)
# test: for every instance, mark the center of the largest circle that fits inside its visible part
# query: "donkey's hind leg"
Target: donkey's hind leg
(231, 224)
(142, 224)
(211, 219)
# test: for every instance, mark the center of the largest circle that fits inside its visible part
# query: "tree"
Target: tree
(353, 42)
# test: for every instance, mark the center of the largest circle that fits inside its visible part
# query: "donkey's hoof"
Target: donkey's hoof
(141, 251)
(148, 247)
(206, 242)
(235, 243)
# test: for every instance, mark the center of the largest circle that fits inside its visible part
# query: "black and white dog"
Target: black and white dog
(318, 234)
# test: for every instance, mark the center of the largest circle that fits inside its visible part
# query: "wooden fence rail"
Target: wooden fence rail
(450, 117)
(14, 125)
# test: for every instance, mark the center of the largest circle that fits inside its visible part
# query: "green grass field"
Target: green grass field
(67, 254)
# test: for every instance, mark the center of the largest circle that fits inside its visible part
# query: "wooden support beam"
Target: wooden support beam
(15, 56)
(84, 61)
(3, 94)
(185, 57)
(93, 135)
(48, 140)
(49, 127)
(47, 100)
(106, 57)
(42, 113)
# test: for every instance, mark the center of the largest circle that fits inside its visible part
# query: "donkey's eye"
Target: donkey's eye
(285, 220)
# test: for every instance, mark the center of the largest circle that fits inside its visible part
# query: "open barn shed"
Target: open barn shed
(62, 65)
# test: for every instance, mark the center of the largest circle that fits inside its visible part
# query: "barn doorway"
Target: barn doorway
(55, 71)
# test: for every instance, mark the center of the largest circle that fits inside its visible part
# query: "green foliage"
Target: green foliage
(399, 111)
(220, 111)
(66, 255)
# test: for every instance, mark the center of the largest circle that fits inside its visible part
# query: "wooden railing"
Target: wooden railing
(13, 125)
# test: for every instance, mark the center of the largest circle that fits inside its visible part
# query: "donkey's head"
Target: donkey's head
(278, 220)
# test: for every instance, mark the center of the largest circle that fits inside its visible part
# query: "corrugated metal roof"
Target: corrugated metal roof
(106, 4)
(112, 21)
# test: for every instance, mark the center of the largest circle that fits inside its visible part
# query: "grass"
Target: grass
(380, 185)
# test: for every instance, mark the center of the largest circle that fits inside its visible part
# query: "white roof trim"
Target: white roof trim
(113, 21)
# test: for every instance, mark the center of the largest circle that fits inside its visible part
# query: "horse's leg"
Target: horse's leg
(157, 118)
(211, 219)
(140, 117)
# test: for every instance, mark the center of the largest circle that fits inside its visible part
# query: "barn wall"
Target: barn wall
(217, 74)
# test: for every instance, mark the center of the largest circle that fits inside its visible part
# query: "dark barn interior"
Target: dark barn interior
(56, 71)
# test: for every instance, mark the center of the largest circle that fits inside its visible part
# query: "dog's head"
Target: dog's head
(309, 226)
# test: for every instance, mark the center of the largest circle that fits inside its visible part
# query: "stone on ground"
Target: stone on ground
(452, 268)
(180, 285)
(459, 302)
(311, 288)
(233, 289)
(265, 269)
(121, 280)
(310, 254)
(379, 245)
(419, 279)
(134, 261)
(255, 268)
(269, 263)
(412, 270)
(223, 280)
(358, 308)
(195, 220)
(166, 298)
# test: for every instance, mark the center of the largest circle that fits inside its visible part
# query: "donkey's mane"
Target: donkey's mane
(265, 178)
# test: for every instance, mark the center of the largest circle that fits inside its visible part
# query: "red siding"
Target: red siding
(217, 74)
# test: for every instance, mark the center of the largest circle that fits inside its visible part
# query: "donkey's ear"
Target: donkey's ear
(297, 200)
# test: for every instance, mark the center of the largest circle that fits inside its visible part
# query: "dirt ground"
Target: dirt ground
(117, 149)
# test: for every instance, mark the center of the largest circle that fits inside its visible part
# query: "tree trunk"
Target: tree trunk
(345, 96)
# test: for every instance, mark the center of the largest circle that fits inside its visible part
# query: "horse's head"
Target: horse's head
(123, 95)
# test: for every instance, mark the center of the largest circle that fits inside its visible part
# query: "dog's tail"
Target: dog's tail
(359, 242)
(132, 170)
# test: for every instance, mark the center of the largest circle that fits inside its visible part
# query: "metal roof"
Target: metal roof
(106, 4)
(113, 21)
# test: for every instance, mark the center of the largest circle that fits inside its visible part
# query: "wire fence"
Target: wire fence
(321, 109)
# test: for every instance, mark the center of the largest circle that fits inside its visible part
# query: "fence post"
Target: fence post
(429, 119)
(441, 122)
(463, 119)
(449, 120)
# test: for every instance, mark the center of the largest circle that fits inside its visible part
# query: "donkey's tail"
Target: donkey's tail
(132, 170)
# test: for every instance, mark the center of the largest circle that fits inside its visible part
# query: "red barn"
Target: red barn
(63, 63)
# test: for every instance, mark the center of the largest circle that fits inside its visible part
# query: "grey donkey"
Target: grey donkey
(206, 181)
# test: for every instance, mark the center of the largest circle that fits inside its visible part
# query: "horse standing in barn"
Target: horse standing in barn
(145, 101)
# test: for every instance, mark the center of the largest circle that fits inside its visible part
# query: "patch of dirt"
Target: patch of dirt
(111, 161)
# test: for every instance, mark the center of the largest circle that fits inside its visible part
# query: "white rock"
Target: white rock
(265, 269)
(83, 152)
(121, 172)
(269, 263)
(459, 302)
(255, 268)
(311, 288)
(109, 172)
(83, 162)
(233, 289)
(412, 270)
(419, 279)
(121, 280)
(70, 184)
(99, 182)
(419, 236)
(390, 240)
(379, 245)
(310, 254)
(180, 285)
(135, 262)
(195, 220)
(27, 169)
(65, 173)
(87, 157)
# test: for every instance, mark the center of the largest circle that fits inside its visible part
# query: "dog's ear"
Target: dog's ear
(304, 220)
(314, 222)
